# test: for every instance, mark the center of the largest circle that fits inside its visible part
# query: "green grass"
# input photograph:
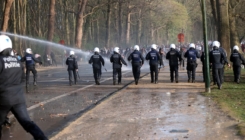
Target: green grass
(231, 98)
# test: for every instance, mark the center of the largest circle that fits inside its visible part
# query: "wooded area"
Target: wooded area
(107, 23)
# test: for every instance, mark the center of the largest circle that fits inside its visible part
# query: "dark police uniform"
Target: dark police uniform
(154, 57)
(174, 57)
(191, 56)
(203, 65)
(117, 60)
(96, 60)
(30, 67)
(237, 59)
(216, 57)
(12, 96)
(72, 68)
(137, 62)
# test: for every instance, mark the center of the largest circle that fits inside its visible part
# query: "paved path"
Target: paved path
(164, 111)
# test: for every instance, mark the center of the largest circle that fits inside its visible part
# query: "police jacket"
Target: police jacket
(191, 55)
(236, 58)
(96, 60)
(136, 57)
(154, 57)
(117, 60)
(173, 56)
(30, 60)
(203, 57)
(216, 57)
(11, 91)
(72, 63)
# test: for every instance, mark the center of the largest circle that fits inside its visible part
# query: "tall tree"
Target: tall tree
(79, 26)
(8, 4)
(51, 24)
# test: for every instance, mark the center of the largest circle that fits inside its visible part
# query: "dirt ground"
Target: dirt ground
(163, 111)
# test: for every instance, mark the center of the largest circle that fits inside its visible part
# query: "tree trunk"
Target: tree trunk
(234, 39)
(8, 4)
(51, 24)
(79, 25)
(67, 25)
(224, 25)
(107, 26)
(128, 28)
(139, 28)
(120, 22)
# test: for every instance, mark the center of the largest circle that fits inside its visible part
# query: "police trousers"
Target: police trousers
(191, 71)
(236, 73)
(117, 71)
(136, 70)
(74, 75)
(217, 72)
(174, 71)
(154, 72)
(97, 74)
(21, 114)
(34, 72)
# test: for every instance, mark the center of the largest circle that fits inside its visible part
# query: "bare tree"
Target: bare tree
(8, 4)
(51, 24)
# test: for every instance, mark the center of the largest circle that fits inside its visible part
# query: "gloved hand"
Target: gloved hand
(40, 63)
(76, 69)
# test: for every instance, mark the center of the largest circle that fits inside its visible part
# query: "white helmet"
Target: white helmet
(172, 46)
(236, 48)
(5, 42)
(154, 46)
(116, 49)
(28, 50)
(72, 52)
(96, 49)
(192, 45)
(216, 44)
(136, 47)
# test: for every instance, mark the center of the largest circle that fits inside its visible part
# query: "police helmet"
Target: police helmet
(192, 45)
(5, 43)
(96, 49)
(172, 46)
(72, 52)
(28, 50)
(136, 47)
(216, 44)
(116, 49)
(154, 46)
(236, 48)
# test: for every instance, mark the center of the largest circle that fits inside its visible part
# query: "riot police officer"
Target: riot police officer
(137, 61)
(154, 57)
(216, 57)
(97, 60)
(174, 57)
(191, 55)
(117, 60)
(71, 62)
(237, 59)
(11, 92)
(30, 66)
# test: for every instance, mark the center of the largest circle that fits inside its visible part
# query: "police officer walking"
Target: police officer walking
(216, 57)
(174, 57)
(137, 61)
(191, 55)
(154, 57)
(30, 66)
(97, 60)
(237, 59)
(11, 92)
(117, 60)
(71, 62)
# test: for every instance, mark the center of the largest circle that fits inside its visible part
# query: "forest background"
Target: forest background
(86, 24)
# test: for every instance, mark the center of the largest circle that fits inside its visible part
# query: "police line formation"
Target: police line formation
(11, 72)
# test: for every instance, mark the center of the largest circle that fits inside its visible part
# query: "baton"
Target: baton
(105, 69)
(78, 75)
